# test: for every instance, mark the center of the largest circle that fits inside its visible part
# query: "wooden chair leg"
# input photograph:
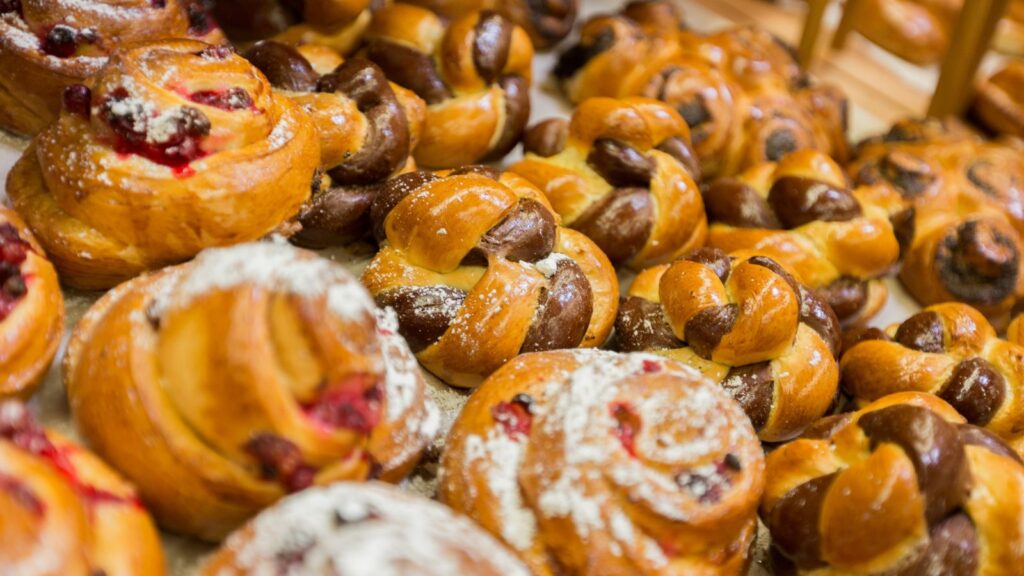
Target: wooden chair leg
(812, 29)
(970, 42)
(851, 14)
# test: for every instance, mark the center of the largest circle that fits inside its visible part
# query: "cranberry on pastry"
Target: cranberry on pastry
(622, 172)
(590, 462)
(221, 385)
(546, 21)
(743, 321)
(338, 24)
(173, 147)
(478, 270)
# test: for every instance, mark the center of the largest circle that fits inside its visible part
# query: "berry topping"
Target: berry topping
(61, 41)
(22, 494)
(78, 100)
(354, 403)
(709, 482)
(170, 138)
(13, 251)
(650, 366)
(231, 99)
(200, 23)
(218, 52)
(628, 425)
(516, 416)
(281, 459)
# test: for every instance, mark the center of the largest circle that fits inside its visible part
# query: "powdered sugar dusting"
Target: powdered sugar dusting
(503, 455)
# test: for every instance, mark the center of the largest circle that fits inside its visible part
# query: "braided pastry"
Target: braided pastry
(48, 45)
(591, 462)
(744, 322)
(963, 241)
(362, 529)
(473, 74)
(173, 147)
(801, 213)
(949, 350)
(63, 511)
(999, 104)
(622, 172)
(31, 309)
(367, 126)
(478, 270)
(338, 24)
(220, 385)
(546, 21)
(900, 488)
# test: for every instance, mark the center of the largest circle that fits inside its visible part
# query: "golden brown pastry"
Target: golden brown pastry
(744, 322)
(622, 172)
(473, 73)
(48, 45)
(173, 147)
(478, 270)
(949, 350)
(220, 385)
(999, 104)
(31, 309)
(802, 213)
(963, 239)
(1009, 36)
(367, 127)
(338, 24)
(918, 31)
(63, 512)
(362, 529)
(547, 21)
(900, 488)
(591, 462)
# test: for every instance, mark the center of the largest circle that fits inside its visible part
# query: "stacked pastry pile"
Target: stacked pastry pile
(236, 389)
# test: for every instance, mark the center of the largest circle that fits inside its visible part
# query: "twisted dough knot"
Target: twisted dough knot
(590, 462)
(367, 130)
(473, 74)
(916, 30)
(175, 147)
(622, 172)
(801, 212)
(746, 323)
(64, 511)
(949, 350)
(546, 21)
(47, 45)
(281, 378)
(31, 309)
(362, 529)
(338, 24)
(478, 271)
(902, 487)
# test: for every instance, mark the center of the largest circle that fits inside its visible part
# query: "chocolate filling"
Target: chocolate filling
(753, 387)
(717, 260)
(393, 192)
(493, 37)
(846, 296)
(575, 58)
(619, 223)
(409, 68)
(336, 216)
(922, 331)
(284, 66)
(976, 389)
(819, 316)
(977, 263)
(546, 138)
(517, 114)
(794, 522)
(424, 312)
(620, 164)
(642, 325)
(797, 201)
(527, 233)
(705, 329)
(732, 202)
(564, 311)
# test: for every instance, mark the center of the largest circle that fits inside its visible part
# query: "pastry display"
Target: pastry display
(547, 21)
(171, 148)
(221, 385)
(362, 529)
(591, 462)
(948, 350)
(801, 212)
(338, 24)
(902, 487)
(63, 511)
(746, 323)
(999, 104)
(478, 270)
(963, 242)
(473, 73)
(31, 309)
(48, 45)
(740, 90)
(367, 127)
(622, 172)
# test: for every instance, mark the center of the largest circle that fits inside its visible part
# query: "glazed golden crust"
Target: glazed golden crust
(282, 378)
(915, 30)
(64, 511)
(547, 22)
(590, 462)
(998, 104)
(338, 24)
(900, 487)
(623, 173)
(36, 64)
(177, 146)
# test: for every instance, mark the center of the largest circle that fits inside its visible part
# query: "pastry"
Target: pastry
(48, 45)
(338, 24)
(801, 212)
(367, 127)
(999, 105)
(903, 487)
(31, 309)
(478, 270)
(361, 529)
(918, 31)
(590, 462)
(744, 322)
(546, 21)
(949, 350)
(622, 172)
(63, 511)
(474, 75)
(173, 147)
(220, 385)
(963, 242)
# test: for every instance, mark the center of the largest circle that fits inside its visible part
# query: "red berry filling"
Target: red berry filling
(78, 100)
(627, 425)
(60, 41)
(171, 138)
(13, 251)
(22, 494)
(354, 403)
(281, 459)
(650, 366)
(709, 483)
(231, 99)
(515, 417)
